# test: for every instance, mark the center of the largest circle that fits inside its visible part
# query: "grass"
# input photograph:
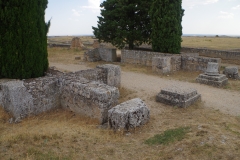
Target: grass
(218, 43)
(168, 136)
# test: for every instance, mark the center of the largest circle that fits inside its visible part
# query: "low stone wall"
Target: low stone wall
(98, 54)
(59, 45)
(139, 57)
(22, 98)
(226, 56)
(197, 63)
(185, 61)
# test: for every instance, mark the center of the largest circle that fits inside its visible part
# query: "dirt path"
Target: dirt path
(148, 86)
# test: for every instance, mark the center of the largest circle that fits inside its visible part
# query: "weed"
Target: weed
(39, 155)
(168, 136)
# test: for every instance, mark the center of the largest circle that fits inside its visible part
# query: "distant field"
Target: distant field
(219, 43)
(68, 39)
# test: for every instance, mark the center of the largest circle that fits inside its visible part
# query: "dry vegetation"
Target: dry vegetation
(219, 43)
(61, 134)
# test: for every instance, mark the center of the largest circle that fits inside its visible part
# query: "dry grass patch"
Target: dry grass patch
(61, 134)
(64, 55)
(218, 43)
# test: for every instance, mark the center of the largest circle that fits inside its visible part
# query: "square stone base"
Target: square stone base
(216, 81)
(178, 96)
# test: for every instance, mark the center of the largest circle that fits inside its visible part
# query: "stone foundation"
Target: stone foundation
(130, 114)
(216, 81)
(197, 63)
(176, 96)
(88, 89)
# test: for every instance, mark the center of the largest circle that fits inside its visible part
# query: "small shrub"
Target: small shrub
(168, 136)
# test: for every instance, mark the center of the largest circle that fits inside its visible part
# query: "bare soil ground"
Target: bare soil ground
(214, 122)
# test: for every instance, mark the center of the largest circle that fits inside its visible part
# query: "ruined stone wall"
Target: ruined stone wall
(226, 56)
(166, 64)
(108, 54)
(76, 43)
(96, 44)
(197, 63)
(51, 45)
(98, 54)
(139, 57)
(22, 98)
(92, 55)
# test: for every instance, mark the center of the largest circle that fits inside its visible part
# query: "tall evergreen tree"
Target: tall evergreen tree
(23, 40)
(166, 19)
(124, 22)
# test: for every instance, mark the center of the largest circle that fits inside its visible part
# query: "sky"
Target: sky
(76, 17)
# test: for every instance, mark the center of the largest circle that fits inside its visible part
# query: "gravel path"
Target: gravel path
(148, 86)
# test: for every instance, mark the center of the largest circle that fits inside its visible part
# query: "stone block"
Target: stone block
(30, 97)
(130, 114)
(216, 81)
(231, 72)
(161, 65)
(177, 96)
(166, 64)
(113, 74)
(108, 54)
(92, 55)
(89, 98)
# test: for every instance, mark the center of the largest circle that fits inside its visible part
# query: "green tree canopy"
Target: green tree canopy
(23, 40)
(124, 22)
(166, 19)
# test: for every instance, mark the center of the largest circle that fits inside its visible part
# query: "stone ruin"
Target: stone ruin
(89, 92)
(127, 115)
(212, 76)
(231, 72)
(92, 93)
(177, 96)
(96, 44)
(98, 54)
(166, 64)
(77, 43)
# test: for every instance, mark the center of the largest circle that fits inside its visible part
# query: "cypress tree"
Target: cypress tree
(166, 19)
(124, 22)
(23, 41)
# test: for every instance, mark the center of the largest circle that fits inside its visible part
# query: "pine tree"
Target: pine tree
(166, 18)
(23, 40)
(124, 22)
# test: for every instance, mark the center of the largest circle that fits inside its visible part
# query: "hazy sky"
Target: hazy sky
(76, 17)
